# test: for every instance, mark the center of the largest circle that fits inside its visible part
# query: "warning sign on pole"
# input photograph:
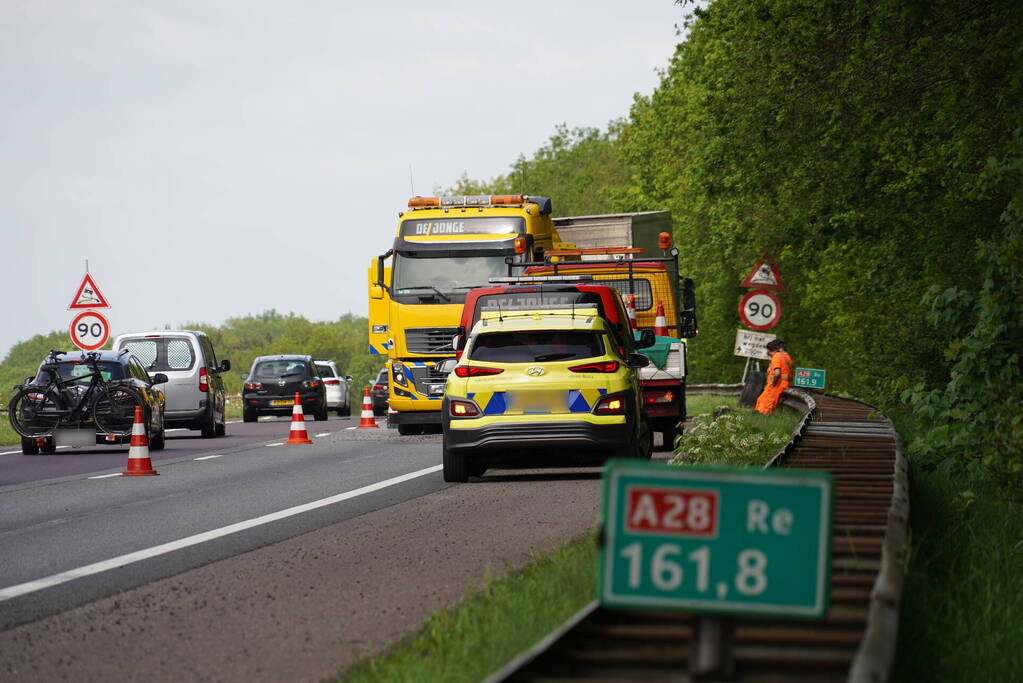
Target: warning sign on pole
(764, 276)
(88, 295)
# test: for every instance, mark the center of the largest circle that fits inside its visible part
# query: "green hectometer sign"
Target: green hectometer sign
(715, 540)
(809, 378)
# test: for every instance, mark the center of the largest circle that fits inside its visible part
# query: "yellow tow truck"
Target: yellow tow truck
(444, 247)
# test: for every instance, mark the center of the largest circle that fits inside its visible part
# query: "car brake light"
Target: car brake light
(458, 408)
(378, 387)
(204, 381)
(332, 382)
(253, 385)
(473, 371)
(311, 383)
(610, 405)
(602, 366)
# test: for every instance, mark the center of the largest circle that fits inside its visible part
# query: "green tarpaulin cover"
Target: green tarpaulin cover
(658, 353)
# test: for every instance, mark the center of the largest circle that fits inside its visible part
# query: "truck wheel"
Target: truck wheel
(409, 430)
(668, 436)
(456, 466)
(29, 447)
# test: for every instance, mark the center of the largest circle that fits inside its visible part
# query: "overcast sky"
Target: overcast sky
(215, 159)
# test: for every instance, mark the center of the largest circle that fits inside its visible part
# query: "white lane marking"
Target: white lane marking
(9, 452)
(188, 541)
(232, 422)
(104, 476)
(323, 434)
(351, 428)
(210, 457)
(176, 429)
(270, 445)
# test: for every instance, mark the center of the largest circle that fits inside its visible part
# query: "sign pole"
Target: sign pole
(710, 649)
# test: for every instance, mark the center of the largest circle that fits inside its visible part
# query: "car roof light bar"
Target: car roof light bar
(595, 251)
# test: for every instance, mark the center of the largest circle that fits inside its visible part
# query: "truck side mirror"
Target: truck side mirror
(448, 366)
(458, 342)
(646, 339)
(376, 292)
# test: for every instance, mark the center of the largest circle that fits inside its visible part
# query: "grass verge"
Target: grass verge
(493, 623)
(962, 606)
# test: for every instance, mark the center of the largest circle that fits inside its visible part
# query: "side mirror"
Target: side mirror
(225, 365)
(160, 378)
(458, 342)
(348, 378)
(376, 292)
(243, 375)
(646, 340)
(638, 360)
(448, 366)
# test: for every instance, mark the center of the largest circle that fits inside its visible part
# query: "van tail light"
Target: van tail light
(458, 408)
(253, 385)
(473, 371)
(204, 380)
(378, 387)
(332, 382)
(602, 366)
(610, 405)
(659, 397)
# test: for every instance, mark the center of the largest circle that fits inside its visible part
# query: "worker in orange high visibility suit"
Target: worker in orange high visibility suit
(779, 376)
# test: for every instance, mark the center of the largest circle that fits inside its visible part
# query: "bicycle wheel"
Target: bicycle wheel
(34, 412)
(113, 408)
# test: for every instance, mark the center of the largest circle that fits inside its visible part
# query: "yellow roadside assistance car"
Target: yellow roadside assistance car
(541, 388)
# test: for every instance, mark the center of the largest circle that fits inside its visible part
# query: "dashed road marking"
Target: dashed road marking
(210, 457)
(155, 551)
(106, 476)
(279, 443)
(323, 434)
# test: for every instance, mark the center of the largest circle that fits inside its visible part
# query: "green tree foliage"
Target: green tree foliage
(849, 140)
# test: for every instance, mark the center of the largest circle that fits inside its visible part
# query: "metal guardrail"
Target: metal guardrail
(848, 425)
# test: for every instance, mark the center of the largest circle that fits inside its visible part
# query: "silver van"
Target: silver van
(195, 388)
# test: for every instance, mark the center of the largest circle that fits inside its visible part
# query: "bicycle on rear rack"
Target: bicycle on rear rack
(41, 407)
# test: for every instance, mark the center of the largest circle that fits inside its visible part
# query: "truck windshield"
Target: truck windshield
(446, 274)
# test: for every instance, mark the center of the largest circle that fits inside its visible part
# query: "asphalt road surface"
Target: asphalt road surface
(249, 560)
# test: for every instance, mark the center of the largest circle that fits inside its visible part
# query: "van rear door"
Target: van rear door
(178, 358)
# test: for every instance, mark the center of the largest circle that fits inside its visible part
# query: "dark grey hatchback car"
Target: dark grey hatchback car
(271, 386)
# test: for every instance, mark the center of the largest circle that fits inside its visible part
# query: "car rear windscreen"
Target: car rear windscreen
(71, 370)
(163, 353)
(325, 370)
(536, 346)
(273, 369)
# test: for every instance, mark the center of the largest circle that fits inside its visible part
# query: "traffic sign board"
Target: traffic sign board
(89, 330)
(88, 295)
(764, 276)
(810, 378)
(752, 344)
(715, 540)
(760, 309)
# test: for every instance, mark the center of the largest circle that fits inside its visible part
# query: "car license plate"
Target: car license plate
(541, 402)
(283, 402)
(74, 438)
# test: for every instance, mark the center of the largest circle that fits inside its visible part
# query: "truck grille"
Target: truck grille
(430, 339)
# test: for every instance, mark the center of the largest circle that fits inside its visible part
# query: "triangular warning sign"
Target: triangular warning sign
(764, 276)
(88, 295)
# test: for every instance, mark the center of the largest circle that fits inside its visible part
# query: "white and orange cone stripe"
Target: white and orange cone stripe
(298, 435)
(630, 308)
(660, 324)
(139, 464)
(367, 421)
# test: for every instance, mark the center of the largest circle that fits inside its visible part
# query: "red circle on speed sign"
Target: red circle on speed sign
(760, 309)
(89, 330)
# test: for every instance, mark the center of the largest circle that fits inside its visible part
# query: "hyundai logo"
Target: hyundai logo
(535, 371)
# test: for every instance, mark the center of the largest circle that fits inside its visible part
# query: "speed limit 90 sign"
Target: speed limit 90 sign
(760, 309)
(89, 330)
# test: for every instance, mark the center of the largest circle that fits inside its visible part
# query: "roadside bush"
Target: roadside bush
(728, 439)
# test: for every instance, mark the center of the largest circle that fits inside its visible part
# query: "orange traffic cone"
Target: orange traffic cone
(367, 421)
(630, 308)
(139, 464)
(660, 324)
(298, 434)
